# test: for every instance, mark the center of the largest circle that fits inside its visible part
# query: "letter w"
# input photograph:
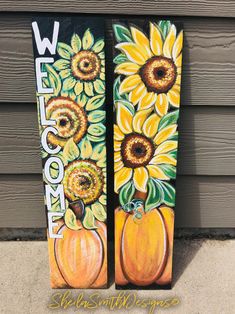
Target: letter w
(43, 44)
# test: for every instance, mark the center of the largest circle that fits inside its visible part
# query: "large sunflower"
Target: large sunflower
(82, 65)
(152, 67)
(144, 147)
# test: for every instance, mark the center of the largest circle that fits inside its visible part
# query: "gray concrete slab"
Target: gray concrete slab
(204, 280)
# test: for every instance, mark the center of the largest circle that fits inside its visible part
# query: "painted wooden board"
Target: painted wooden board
(146, 95)
(70, 79)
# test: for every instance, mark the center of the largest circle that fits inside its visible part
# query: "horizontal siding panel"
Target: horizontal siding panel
(209, 63)
(169, 7)
(206, 144)
(202, 202)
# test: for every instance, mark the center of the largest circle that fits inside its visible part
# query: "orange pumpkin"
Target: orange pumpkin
(142, 247)
(168, 217)
(81, 256)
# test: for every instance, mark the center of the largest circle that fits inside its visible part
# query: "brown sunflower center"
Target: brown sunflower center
(70, 117)
(159, 74)
(137, 150)
(86, 65)
(83, 180)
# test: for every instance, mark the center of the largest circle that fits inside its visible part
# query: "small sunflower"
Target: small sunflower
(144, 147)
(152, 67)
(85, 178)
(82, 65)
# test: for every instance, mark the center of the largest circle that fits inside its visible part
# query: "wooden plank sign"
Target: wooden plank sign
(70, 77)
(148, 61)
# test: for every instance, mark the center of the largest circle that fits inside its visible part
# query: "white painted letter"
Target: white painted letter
(42, 111)
(47, 166)
(40, 75)
(43, 44)
(58, 192)
(52, 224)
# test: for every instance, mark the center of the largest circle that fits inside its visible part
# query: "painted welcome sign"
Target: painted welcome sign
(70, 82)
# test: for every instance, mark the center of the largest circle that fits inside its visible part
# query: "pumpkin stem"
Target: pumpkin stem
(78, 208)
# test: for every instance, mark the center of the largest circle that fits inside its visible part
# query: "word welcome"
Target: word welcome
(54, 189)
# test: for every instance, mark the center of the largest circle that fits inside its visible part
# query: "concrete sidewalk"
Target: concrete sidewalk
(204, 280)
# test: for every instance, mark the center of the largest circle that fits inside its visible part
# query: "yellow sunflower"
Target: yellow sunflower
(141, 148)
(152, 68)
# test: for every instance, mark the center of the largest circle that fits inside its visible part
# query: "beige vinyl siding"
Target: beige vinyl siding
(206, 166)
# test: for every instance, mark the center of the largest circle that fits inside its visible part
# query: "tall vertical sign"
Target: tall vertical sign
(148, 62)
(70, 82)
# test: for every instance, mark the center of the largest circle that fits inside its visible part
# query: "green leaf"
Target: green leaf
(96, 116)
(122, 33)
(70, 220)
(97, 129)
(169, 193)
(173, 153)
(82, 99)
(93, 138)
(76, 43)
(99, 211)
(120, 58)
(126, 193)
(89, 219)
(70, 151)
(98, 46)
(54, 78)
(155, 195)
(174, 137)
(99, 86)
(168, 119)
(65, 51)
(87, 40)
(164, 27)
(169, 171)
(99, 151)
(127, 104)
(116, 94)
(95, 102)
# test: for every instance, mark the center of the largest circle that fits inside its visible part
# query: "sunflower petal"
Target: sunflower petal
(166, 147)
(129, 83)
(142, 41)
(155, 40)
(78, 88)
(69, 83)
(177, 48)
(118, 165)
(137, 93)
(87, 40)
(133, 52)
(127, 68)
(76, 43)
(117, 156)
(174, 96)
(117, 146)
(156, 172)
(139, 119)
(88, 87)
(121, 177)
(178, 63)
(151, 125)
(124, 119)
(169, 42)
(163, 159)
(164, 134)
(140, 179)
(118, 135)
(86, 148)
(162, 105)
(99, 86)
(178, 79)
(147, 101)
